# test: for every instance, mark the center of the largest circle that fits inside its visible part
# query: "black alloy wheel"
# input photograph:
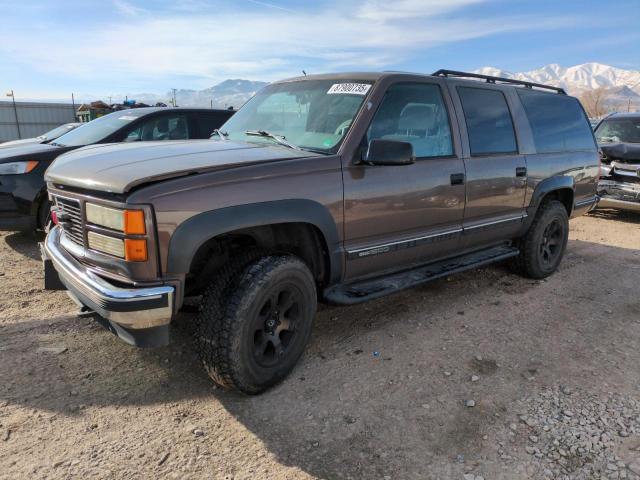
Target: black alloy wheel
(275, 326)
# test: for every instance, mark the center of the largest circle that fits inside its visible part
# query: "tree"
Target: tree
(593, 102)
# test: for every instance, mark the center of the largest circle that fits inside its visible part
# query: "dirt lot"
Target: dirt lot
(551, 368)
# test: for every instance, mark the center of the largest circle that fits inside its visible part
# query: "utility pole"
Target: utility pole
(73, 105)
(15, 112)
(174, 97)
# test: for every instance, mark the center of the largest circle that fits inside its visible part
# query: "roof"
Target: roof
(141, 111)
(624, 115)
(366, 76)
(146, 110)
(461, 77)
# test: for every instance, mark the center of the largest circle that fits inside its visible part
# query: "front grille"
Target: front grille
(70, 213)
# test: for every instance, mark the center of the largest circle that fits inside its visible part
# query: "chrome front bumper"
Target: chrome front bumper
(131, 308)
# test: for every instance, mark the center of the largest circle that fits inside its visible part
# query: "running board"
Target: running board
(378, 287)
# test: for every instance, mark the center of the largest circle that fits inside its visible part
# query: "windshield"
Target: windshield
(58, 131)
(619, 130)
(97, 130)
(309, 114)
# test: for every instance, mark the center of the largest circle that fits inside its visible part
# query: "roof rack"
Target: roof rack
(490, 79)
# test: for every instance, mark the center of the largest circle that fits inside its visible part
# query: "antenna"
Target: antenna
(304, 73)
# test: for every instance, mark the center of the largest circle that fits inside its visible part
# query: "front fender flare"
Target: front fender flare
(194, 232)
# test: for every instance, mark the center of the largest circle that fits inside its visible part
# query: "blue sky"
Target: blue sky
(49, 49)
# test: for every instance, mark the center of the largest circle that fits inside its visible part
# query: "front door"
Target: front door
(398, 216)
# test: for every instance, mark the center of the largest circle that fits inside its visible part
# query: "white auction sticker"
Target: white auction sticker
(127, 117)
(349, 89)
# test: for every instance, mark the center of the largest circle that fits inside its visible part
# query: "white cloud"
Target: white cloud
(383, 10)
(271, 5)
(264, 43)
(126, 8)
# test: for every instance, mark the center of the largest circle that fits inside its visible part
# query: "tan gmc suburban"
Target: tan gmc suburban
(336, 188)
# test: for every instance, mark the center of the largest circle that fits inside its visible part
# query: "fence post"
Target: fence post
(15, 112)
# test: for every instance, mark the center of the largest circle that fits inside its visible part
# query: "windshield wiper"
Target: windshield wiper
(220, 133)
(278, 138)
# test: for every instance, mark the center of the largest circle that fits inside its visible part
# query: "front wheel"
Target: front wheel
(542, 247)
(44, 216)
(264, 326)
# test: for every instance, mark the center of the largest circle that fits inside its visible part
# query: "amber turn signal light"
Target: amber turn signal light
(135, 250)
(134, 222)
(31, 164)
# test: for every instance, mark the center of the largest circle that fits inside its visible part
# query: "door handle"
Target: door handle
(457, 179)
(521, 172)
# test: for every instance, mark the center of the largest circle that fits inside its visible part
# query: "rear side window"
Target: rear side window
(160, 127)
(557, 121)
(488, 120)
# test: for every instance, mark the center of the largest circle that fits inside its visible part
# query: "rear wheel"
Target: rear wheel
(543, 246)
(262, 330)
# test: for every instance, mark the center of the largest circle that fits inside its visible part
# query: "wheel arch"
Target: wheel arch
(560, 187)
(194, 234)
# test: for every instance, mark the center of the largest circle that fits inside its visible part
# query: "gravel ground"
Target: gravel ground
(484, 375)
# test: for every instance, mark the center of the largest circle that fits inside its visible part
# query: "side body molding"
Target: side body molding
(194, 232)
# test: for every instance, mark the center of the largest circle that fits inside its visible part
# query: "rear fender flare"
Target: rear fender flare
(194, 232)
(546, 186)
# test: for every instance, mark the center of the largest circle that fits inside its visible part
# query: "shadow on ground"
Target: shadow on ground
(616, 215)
(346, 411)
(24, 243)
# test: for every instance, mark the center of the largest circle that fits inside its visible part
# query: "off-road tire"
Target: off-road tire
(211, 310)
(531, 261)
(230, 313)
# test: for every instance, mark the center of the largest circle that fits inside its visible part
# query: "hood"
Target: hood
(117, 168)
(622, 152)
(10, 154)
(24, 141)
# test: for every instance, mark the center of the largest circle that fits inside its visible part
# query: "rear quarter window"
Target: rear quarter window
(558, 122)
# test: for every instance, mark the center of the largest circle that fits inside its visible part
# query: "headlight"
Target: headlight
(16, 168)
(127, 221)
(130, 222)
(131, 249)
(105, 216)
(102, 243)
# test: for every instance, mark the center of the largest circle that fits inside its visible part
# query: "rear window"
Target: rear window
(488, 120)
(557, 121)
(207, 122)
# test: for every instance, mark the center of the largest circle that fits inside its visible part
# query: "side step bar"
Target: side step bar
(349, 294)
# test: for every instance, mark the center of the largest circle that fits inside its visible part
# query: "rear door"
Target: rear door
(496, 172)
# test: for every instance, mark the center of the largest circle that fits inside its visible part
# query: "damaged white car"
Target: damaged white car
(618, 136)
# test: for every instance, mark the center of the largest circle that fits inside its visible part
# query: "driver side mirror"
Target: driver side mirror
(390, 152)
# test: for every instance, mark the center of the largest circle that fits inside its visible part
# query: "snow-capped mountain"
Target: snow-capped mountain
(230, 93)
(575, 79)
